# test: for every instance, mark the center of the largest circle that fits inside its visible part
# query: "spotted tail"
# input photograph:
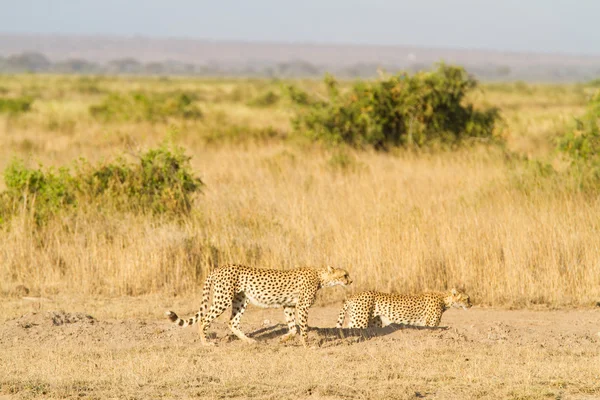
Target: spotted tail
(200, 314)
(340, 321)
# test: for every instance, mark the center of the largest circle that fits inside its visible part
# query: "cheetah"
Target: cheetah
(237, 285)
(372, 309)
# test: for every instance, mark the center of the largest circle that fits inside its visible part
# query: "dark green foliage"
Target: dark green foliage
(402, 110)
(150, 107)
(581, 145)
(15, 106)
(162, 182)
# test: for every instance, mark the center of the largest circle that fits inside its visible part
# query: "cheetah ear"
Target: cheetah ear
(330, 269)
(454, 292)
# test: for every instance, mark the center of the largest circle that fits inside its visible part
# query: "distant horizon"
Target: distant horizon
(293, 43)
(275, 58)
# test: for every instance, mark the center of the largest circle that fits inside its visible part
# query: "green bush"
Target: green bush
(402, 110)
(150, 107)
(45, 192)
(581, 146)
(162, 182)
(15, 106)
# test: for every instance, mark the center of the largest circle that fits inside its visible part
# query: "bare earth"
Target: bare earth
(123, 348)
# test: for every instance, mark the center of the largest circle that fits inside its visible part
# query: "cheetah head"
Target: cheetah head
(458, 299)
(334, 276)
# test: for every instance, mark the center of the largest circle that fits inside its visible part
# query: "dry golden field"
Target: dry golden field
(525, 250)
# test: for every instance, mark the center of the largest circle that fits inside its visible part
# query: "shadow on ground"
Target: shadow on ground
(324, 335)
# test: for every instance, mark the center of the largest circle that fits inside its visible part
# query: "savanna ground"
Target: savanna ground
(525, 249)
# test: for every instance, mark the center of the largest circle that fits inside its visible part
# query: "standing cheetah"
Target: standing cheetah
(236, 285)
(369, 309)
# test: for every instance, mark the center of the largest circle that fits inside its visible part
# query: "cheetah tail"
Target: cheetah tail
(340, 321)
(200, 314)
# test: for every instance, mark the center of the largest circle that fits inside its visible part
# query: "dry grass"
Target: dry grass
(400, 222)
(397, 223)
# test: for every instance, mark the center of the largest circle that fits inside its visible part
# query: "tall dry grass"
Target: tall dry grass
(397, 222)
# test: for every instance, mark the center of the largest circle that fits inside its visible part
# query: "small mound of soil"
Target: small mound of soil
(61, 317)
(54, 318)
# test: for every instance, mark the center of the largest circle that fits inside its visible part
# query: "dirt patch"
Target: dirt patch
(480, 353)
(55, 318)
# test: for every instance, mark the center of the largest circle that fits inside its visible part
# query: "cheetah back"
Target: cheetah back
(265, 287)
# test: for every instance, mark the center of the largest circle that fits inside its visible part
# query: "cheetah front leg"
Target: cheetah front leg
(302, 316)
(291, 323)
(238, 306)
(433, 320)
(304, 303)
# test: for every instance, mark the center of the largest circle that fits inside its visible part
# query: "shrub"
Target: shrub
(150, 107)
(15, 106)
(45, 192)
(581, 145)
(162, 182)
(401, 110)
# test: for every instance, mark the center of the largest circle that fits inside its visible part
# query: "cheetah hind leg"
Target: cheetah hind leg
(291, 322)
(238, 306)
(216, 309)
(213, 313)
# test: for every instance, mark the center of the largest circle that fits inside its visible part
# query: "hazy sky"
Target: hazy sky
(523, 25)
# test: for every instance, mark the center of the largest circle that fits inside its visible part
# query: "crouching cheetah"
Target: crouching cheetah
(368, 309)
(236, 285)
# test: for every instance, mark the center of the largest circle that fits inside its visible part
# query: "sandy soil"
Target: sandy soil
(479, 353)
